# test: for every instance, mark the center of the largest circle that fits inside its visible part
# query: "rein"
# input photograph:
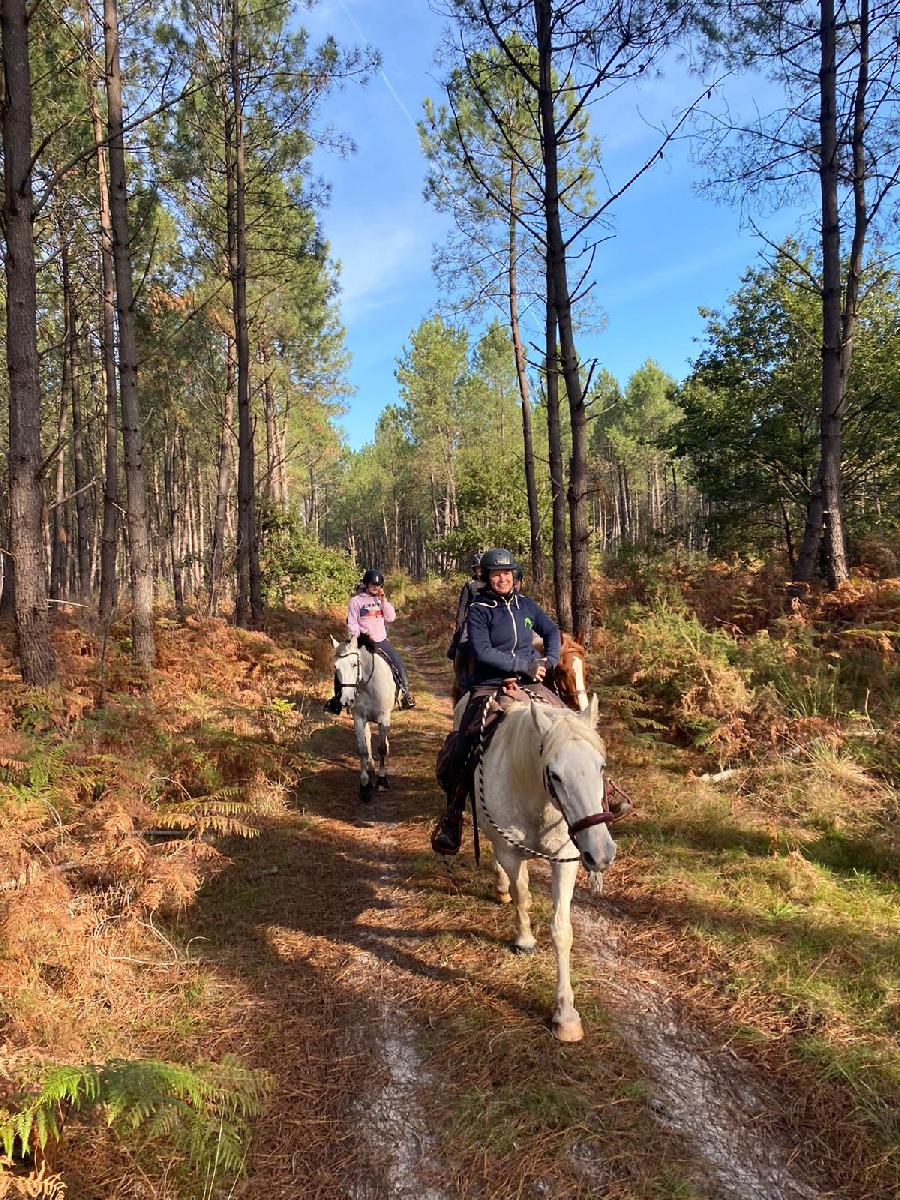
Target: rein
(600, 818)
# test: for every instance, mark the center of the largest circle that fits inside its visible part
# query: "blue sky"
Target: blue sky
(673, 250)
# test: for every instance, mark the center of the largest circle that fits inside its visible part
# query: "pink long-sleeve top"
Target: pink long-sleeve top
(369, 614)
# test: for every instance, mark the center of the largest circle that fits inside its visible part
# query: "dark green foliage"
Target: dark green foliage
(494, 508)
(294, 562)
(750, 433)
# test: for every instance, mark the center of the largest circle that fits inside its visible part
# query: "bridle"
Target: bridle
(601, 818)
(359, 681)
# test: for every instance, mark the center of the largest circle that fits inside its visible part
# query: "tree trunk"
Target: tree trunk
(110, 533)
(275, 472)
(825, 511)
(534, 515)
(561, 594)
(59, 533)
(83, 514)
(172, 535)
(556, 268)
(223, 486)
(248, 608)
(25, 487)
(144, 646)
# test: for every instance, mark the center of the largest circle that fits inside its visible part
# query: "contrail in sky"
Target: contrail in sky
(387, 83)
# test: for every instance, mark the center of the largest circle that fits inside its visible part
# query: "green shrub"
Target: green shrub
(685, 672)
(294, 562)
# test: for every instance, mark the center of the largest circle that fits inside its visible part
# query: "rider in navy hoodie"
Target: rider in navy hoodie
(501, 625)
(501, 637)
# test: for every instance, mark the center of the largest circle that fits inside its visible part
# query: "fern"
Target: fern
(202, 1111)
(218, 813)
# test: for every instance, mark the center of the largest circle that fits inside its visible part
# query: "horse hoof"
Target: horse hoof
(568, 1031)
(365, 792)
(504, 898)
(382, 783)
(517, 949)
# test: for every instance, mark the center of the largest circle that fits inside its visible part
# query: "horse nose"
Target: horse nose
(593, 863)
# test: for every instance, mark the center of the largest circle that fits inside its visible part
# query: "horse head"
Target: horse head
(573, 759)
(347, 669)
(569, 674)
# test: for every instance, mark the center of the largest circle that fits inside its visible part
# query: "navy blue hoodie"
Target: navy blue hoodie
(501, 630)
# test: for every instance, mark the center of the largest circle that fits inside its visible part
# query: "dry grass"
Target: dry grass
(765, 900)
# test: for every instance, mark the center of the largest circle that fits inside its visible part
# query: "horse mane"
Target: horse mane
(569, 646)
(567, 725)
(363, 639)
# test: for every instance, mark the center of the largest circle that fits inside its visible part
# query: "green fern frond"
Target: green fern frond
(201, 1110)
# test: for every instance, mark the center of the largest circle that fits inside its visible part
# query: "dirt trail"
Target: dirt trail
(411, 1050)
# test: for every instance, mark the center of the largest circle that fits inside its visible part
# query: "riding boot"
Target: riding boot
(620, 807)
(446, 837)
(333, 704)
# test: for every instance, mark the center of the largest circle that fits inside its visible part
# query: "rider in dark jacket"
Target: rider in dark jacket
(501, 626)
(501, 636)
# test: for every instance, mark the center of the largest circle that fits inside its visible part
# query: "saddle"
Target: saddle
(398, 683)
(455, 768)
(457, 758)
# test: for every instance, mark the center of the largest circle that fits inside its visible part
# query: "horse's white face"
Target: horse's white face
(347, 668)
(580, 691)
(577, 787)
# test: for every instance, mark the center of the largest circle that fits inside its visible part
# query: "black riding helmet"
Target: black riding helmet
(373, 576)
(498, 559)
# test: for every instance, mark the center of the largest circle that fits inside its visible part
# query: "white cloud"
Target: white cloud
(379, 259)
(652, 283)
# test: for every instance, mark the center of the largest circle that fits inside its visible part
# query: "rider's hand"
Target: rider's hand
(538, 669)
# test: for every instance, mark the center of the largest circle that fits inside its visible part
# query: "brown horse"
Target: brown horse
(568, 675)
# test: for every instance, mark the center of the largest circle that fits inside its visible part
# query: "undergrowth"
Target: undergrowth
(202, 1110)
(121, 792)
(761, 746)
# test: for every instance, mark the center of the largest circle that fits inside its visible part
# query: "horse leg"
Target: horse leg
(501, 884)
(384, 749)
(567, 1025)
(366, 763)
(516, 869)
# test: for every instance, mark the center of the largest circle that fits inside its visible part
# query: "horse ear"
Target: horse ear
(543, 722)
(592, 712)
(334, 642)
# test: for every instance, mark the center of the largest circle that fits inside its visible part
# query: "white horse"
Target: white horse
(368, 692)
(540, 792)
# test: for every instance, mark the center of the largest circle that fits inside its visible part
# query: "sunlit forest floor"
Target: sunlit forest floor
(737, 979)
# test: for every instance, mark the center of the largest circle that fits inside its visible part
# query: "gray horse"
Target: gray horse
(368, 692)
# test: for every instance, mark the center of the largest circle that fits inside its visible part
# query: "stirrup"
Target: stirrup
(446, 837)
(408, 701)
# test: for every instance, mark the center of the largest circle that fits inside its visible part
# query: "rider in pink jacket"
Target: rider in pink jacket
(370, 612)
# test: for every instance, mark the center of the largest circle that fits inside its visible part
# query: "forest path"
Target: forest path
(411, 1051)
